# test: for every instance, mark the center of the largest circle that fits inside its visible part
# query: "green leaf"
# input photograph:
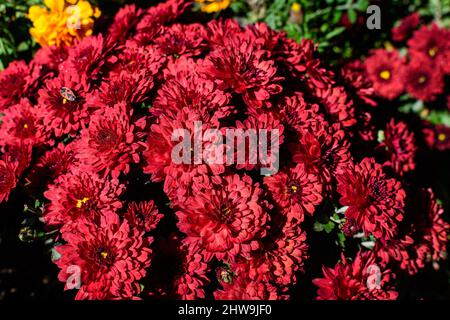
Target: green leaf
(352, 15)
(334, 32)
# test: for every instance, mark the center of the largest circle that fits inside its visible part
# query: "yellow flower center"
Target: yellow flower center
(294, 189)
(442, 137)
(422, 79)
(104, 254)
(81, 202)
(385, 74)
(296, 7)
(432, 52)
(25, 126)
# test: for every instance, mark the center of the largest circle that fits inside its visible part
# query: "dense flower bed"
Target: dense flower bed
(86, 134)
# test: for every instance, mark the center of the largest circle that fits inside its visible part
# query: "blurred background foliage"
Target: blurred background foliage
(338, 26)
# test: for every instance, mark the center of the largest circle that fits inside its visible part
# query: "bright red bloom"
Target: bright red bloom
(124, 22)
(227, 220)
(374, 201)
(79, 196)
(406, 26)
(111, 142)
(385, 69)
(22, 124)
(16, 81)
(323, 150)
(245, 281)
(350, 280)
(295, 192)
(19, 155)
(433, 42)
(296, 114)
(400, 145)
(62, 104)
(437, 137)
(7, 179)
(194, 91)
(178, 173)
(245, 69)
(426, 240)
(51, 57)
(143, 215)
(423, 81)
(86, 59)
(191, 281)
(111, 258)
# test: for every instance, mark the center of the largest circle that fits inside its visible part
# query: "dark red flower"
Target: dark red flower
(195, 91)
(111, 142)
(374, 201)
(295, 192)
(385, 70)
(437, 136)
(16, 82)
(400, 145)
(246, 70)
(227, 220)
(111, 259)
(192, 278)
(323, 150)
(7, 179)
(62, 104)
(81, 195)
(355, 76)
(423, 81)
(433, 42)
(22, 123)
(143, 215)
(352, 280)
(406, 26)
(124, 22)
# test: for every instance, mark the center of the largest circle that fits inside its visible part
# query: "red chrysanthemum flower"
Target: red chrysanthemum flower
(7, 179)
(406, 26)
(245, 281)
(385, 70)
(259, 136)
(354, 280)
(423, 81)
(433, 42)
(81, 195)
(181, 40)
(52, 164)
(62, 104)
(286, 253)
(194, 91)
(19, 155)
(51, 57)
(86, 59)
(143, 215)
(400, 145)
(355, 76)
(22, 123)
(178, 173)
(437, 136)
(297, 114)
(110, 258)
(227, 220)
(323, 150)
(16, 82)
(111, 142)
(374, 201)
(245, 69)
(124, 22)
(295, 192)
(189, 285)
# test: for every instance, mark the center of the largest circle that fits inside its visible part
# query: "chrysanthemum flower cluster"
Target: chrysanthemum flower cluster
(88, 130)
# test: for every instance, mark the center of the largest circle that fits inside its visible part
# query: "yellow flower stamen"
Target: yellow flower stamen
(296, 7)
(432, 52)
(294, 189)
(25, 126)
(442, 137)
(104, 254)
(422, 79)
(81, 202)
(385, 74)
